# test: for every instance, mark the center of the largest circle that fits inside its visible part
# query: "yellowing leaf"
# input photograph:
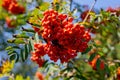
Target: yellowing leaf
(44, 6)
(85, 23)
(7, 66)
(92, 13)
(95, 27)
(19, 77)
(56, 1)
(28, 78)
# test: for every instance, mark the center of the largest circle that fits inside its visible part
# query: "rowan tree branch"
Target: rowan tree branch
(92, 6)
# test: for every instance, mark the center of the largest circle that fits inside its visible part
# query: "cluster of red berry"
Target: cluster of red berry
(13, 7)
(63, 38)
(114, 10)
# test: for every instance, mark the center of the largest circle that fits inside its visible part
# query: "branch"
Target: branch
(90, 11)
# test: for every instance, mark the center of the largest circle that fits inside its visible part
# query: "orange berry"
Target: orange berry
(93, 63)
(118, 73)
(10, 23)
(39, 76)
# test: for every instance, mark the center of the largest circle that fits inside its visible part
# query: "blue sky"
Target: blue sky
(100, 3)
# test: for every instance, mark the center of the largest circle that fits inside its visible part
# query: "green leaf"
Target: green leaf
(64, 70)
(77, 70)
(98, 64)
(80, 77)
(14, 56)
(57, 6)
(9, 48)
(45, 63)
(11, 52)
(36, 12)
(20, 36)
(16, 47)
(22, 55)
(87, 50)
(33, 24)
(28, 30)
(26, 51)
(19, 41)
(16, 41)
(101, 53)
(17, 57)
(92, 56)
(107, 70)
(31, 47)
(12, 47)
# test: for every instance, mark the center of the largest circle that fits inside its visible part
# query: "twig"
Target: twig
(90, 11)
(116, 61)
(71, 5)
